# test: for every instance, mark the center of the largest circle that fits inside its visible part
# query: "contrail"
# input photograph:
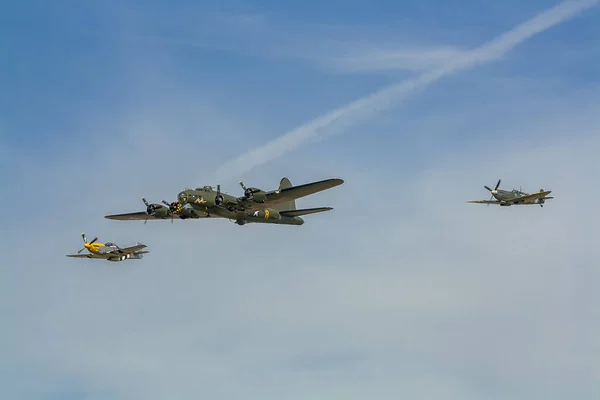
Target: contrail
(367, 106)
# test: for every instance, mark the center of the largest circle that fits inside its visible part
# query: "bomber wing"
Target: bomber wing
(296, 192)
(143, 216)
(135, 216)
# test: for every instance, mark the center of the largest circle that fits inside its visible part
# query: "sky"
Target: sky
(403, 290)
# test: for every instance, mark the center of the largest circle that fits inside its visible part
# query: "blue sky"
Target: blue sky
(404, 290)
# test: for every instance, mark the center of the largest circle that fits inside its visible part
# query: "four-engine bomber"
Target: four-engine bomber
(255, 206)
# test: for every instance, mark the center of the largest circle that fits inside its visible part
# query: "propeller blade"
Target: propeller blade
(145, 202)
(242, 185)
(83, 237)
(93, 240)
(497, 185)
(487, 188)
(219, 197)
(81, 250)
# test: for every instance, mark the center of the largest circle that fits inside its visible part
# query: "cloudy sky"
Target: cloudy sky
(402, 291)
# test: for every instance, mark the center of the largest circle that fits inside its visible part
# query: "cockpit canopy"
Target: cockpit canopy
(204, 189)
(110, 244)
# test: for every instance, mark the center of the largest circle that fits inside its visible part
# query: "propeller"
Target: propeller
(86, 242)
(248, 192)
(493, 192)
(171, 206)
(219, 196)
(150, 208)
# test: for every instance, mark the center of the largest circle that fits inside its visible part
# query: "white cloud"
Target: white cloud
(368, 106)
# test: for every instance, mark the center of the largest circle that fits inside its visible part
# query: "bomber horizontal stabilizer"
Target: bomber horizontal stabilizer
(306, 211)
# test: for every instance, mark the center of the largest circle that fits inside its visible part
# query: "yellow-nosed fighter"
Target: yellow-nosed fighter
(109, 251)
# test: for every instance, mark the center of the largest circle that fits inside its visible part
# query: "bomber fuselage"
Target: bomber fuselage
(206, 202)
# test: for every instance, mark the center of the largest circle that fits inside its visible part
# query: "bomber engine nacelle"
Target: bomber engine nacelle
(183, 210)
(267, 213)
(255, 194)
(540, 201)
(186, 211)
(157, 210)
(162, 212)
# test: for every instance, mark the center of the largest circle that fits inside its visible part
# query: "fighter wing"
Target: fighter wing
(484, 201)
(129, 250)
(296, 192)
(530, 198)
(85, 256)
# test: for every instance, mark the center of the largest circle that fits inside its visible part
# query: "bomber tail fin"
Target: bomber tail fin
(288, 205)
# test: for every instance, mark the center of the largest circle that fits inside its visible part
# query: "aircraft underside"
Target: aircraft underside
(281, 221)
(261, 216)
(126, 257)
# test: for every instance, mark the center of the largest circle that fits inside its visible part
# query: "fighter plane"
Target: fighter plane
(514, 197)
(109, 251)
(255, 206)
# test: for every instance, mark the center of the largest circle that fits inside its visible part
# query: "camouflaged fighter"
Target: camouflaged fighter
(514, 197)
(109, 251)
(255, 206)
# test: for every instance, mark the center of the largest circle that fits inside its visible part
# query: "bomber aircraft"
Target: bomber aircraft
(514, 197)
(255, 206)
(109, 251)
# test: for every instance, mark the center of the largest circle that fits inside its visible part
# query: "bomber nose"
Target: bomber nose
(181, 197)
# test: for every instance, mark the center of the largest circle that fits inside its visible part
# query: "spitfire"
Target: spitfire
(109, 251)
(514, 197)
(255, 206)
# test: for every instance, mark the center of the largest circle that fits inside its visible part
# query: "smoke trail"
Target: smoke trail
(372, 104)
